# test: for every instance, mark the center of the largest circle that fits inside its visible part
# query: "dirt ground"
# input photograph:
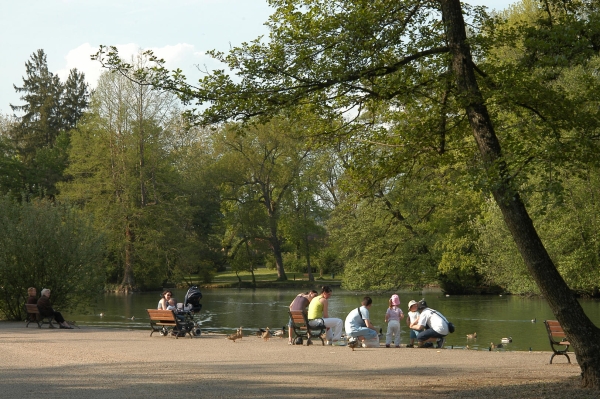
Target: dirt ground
(105, 363)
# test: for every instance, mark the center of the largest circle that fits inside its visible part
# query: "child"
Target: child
(413, 315)
(392, 317)
(172, 304)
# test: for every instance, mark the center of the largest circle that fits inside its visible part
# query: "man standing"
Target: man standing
(358, 324)
(432, 324)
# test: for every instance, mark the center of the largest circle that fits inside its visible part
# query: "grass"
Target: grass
(266, 278)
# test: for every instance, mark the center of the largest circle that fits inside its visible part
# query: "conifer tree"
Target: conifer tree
(50, 110)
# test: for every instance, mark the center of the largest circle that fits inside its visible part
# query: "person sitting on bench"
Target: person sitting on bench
(46, 310)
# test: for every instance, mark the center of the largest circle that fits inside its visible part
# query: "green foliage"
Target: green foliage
(127, 170)
(409, 176)
(40, 138)
(46, 245)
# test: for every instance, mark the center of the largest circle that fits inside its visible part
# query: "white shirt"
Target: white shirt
(434, 320)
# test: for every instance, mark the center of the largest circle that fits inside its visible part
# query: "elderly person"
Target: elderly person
(46, 310)
(432, 325)
(31, 296)
(319, 310)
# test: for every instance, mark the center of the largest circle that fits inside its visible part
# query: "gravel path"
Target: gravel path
(104, 363)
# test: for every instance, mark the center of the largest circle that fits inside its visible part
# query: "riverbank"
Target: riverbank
(100, 363)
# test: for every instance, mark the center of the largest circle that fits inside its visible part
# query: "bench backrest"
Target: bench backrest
(299, 318)
(163, 316)
(32, 308)
(554, 329)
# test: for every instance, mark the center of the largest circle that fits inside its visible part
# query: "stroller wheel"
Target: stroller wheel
(197, 332)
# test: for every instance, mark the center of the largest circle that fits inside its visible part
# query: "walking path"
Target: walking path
(105, 363)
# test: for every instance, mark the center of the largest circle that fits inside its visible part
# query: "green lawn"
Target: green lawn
(267, 278)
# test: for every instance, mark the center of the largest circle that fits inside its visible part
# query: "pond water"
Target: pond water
(224, 310)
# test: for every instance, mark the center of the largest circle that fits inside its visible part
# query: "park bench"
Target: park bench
(558, 339)
(160, 319)
(302, 329)
(32, 310)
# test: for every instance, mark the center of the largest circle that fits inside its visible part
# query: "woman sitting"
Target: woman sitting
(164, 300)
(46, 310)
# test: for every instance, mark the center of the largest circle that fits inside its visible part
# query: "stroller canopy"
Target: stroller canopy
(192, 297)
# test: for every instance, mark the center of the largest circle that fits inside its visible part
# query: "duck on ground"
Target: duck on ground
(353, 343)
(267, 334)
(236, 335)
(279, 333)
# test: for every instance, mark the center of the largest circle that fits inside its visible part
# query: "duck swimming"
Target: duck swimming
(506, 340)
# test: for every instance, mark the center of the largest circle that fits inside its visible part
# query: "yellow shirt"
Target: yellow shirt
(315, 309)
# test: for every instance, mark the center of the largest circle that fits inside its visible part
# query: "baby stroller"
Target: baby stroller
(191, 309)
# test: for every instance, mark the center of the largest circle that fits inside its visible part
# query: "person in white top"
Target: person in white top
(432, 325)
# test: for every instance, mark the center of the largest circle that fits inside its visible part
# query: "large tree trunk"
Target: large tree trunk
(276, 248)
(128, 282)
(581, 332)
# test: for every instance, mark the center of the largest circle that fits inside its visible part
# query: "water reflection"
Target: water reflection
(224, 310)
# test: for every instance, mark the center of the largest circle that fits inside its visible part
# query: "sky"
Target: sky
(179, 31)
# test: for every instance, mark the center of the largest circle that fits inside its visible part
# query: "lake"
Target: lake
(224, 310)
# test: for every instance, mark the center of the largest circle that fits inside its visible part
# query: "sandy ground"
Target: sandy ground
(104, 363)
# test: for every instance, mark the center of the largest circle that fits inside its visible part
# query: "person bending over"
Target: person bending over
(432, 325)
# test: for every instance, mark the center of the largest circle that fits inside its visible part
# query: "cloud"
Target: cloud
(181, 55)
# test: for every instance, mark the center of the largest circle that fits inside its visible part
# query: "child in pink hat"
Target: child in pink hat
(392, 317)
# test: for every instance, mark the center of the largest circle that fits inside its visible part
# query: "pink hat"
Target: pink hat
(395, 300)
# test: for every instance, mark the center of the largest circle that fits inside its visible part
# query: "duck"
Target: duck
(472, 336)
(279, 333)
(101, 315)
(260, 332)
(494, 346)
(353, 344)
(267, 334)
(132, 318)
(237, 335)
(506, 340)
(534, 320)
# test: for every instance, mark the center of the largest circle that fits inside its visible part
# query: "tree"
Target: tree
(122, 171)
(264, 162)
(336, 56)
(47, 245)
(51, 108)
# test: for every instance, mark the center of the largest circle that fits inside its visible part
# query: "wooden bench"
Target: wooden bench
(302, 329)
(32, 310)
(166, 318)
(558, 339)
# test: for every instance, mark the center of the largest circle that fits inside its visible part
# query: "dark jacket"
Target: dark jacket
(45, 307)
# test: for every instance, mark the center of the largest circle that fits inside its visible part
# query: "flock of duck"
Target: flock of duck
(264, 333)
(505, 340)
